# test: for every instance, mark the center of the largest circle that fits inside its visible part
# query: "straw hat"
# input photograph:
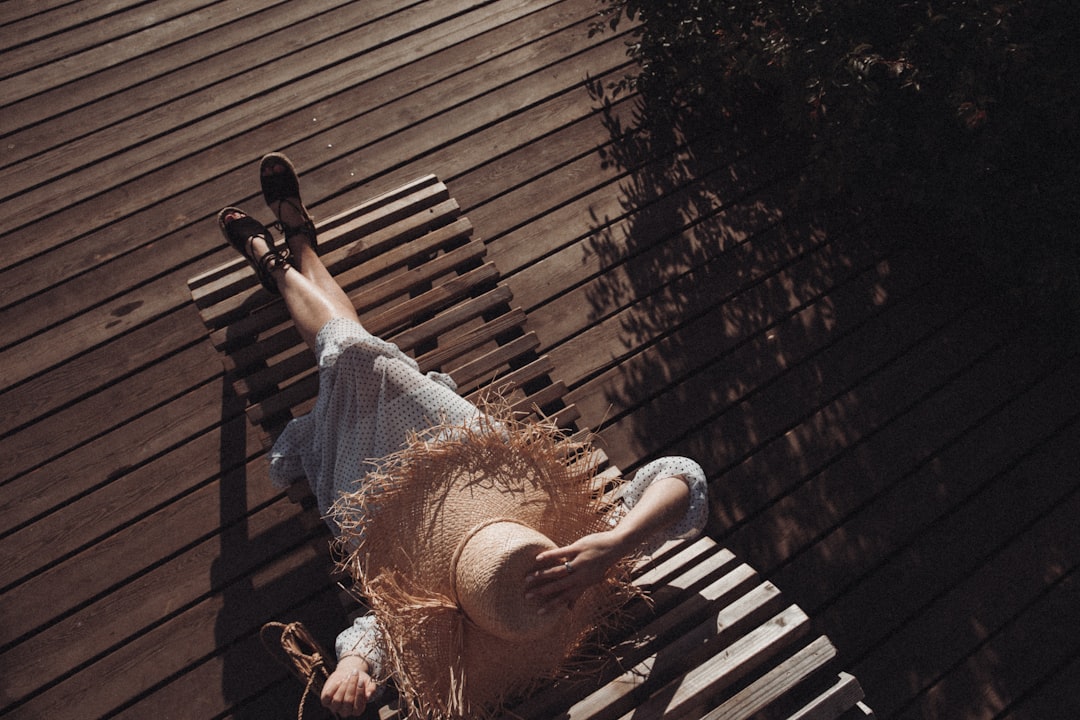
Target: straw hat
(441, 539)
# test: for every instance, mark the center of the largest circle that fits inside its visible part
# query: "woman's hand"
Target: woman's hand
(348, 689)
(562, 574)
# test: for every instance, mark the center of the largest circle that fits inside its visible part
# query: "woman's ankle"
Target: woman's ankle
(303, 256)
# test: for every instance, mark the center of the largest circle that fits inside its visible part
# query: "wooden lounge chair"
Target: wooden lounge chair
(716, 641)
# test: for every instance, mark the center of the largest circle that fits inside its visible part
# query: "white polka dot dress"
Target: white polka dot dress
(371, 396)
(693, 522)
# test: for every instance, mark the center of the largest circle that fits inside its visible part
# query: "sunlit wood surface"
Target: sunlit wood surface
(889, 439)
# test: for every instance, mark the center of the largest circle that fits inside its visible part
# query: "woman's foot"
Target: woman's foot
(250, 238)
(281, 191)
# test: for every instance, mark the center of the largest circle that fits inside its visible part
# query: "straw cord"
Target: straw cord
(304, 657)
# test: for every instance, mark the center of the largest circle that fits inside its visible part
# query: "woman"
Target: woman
(373, 400)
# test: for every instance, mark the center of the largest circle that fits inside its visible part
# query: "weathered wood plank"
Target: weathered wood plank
(877, 391)
(579, 228)
(985, 471)
(1031, 647)
(257, 116)
(952, 408)
(65, 52)
(62, 431)
(721, 272)
(415, 208)
(839, 700)
(12, 12)
(692, 694)
(78, 632)
(165, 288)
(809, 277)
(42, 121)
(758, 359)
(142, 662)
(779, 681)
(1025, 583)
(1055, 696)
(909, 316)
(98, 259)
(659, 665)
(166, 133)
(770, 419)
(237, 677)
(501, 53)
(25, 403)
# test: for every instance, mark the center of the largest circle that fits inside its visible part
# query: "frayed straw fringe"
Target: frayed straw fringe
(530, 459)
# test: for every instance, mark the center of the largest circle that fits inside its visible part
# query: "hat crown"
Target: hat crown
(489, 571)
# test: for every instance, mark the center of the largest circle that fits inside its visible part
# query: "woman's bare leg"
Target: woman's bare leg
(304, 256)
(309, 304)
(313, 297)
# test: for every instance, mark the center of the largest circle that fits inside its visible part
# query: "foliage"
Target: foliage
(961, 109)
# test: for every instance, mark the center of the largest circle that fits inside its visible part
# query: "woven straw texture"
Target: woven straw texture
(403, 532)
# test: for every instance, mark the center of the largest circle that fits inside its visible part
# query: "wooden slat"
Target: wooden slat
(207, 109)
(14, 12)
(332, 79)
(482, 370)
(42, 121)
(404, 203)
(122, 353)
(569, 212)
(650, 673)
(123, 28)
(230, 296)
(782, 679)
(838, 700)
(155, 295)
(988, 482)
(693, 692)
(410, 257)
(677, 603)
(254, 380)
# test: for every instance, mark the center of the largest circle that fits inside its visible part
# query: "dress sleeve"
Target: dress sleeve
(693, 522)
(364, 638)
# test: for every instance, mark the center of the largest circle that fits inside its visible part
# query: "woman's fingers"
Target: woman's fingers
(346, 693)
(553, 555)
(349, 688)
(546, 578)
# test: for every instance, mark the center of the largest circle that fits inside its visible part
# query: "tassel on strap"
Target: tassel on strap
(303, 656)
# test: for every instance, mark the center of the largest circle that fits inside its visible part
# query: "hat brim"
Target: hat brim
(401, 531)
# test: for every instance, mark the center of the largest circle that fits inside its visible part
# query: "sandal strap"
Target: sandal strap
(271, 261)
(288, 231)
(306, 228)
(265, 267)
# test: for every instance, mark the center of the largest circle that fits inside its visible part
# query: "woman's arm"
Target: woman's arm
(360, 650)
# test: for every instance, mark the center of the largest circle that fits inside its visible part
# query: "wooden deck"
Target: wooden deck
(889, 440)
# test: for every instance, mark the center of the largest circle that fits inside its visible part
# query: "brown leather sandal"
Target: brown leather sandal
(239, 230)
(280, 185)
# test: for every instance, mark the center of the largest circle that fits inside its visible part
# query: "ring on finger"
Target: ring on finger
(569, 568)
